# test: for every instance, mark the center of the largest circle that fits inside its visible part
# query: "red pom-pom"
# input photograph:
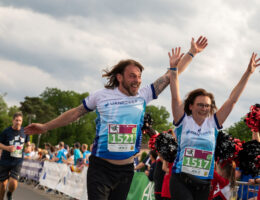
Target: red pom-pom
(253, 118)
(151, 142)
(238, 147)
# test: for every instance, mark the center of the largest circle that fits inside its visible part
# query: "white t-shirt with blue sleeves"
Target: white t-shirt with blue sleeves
(119, 121)
(196, 146)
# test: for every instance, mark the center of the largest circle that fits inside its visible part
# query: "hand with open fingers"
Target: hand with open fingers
(199, 45)
(175, 57)
(35, 128)
(254, 63)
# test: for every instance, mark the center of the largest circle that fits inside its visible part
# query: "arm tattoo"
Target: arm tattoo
(160, 84)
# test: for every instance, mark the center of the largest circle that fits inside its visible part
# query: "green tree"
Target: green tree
(240, 130)
(34, 108)
(62, 100)
(5, 120)
(12, 110)
(82, 130)
(160, 117)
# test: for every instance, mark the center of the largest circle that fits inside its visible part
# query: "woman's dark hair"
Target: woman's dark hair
(192, 96)
(118, 69)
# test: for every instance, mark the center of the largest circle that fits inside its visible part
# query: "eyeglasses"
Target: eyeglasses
(202, 105)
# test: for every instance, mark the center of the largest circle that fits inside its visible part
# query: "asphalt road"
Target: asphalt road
(29, 192)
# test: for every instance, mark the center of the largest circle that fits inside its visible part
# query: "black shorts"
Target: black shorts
(188, 187)
(10, 171)
(107, 181)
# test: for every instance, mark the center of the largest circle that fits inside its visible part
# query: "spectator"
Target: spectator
(45, 155)
(248, 178)
(77, 153)
(61, 153)
(70, 157)
(91, 147)
(144, 163)
(52, 153)
(39, 154)
(256, 137)
(223, 181)
(150, 173)
(27, 151)
(67, 148)
(158, 178)
(86, 153)
(47, 147)
(33, 153)
(167, 167)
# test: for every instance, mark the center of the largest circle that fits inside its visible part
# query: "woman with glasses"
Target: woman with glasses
(197, 121)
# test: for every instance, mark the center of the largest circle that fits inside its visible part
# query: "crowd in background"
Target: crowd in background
(61, 153)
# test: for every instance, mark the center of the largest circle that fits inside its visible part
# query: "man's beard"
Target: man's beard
(128, 89)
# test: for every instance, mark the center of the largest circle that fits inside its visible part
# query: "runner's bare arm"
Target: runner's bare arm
(227, 107)
(161, 83)
(62, 120)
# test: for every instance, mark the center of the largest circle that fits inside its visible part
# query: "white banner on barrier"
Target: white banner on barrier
(52, 173)
(59, 177)
(31, 169)
(74, 184)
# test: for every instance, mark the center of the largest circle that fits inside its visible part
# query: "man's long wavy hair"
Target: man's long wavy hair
(118, 69)
(192, 96)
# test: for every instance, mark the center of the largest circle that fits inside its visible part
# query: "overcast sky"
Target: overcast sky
(67, 43)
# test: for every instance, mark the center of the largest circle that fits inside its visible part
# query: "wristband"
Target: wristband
(191, 54)
(173, 68)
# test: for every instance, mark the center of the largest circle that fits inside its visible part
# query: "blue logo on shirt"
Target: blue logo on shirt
(198, 133)
(121, 102)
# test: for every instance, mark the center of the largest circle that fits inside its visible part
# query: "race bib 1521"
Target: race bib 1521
(121, 137)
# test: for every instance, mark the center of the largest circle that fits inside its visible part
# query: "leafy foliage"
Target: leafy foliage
(82, 130)
(160, 119)
(240, 130)
(4, 117)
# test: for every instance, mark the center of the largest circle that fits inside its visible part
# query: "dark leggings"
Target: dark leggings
(180, 189)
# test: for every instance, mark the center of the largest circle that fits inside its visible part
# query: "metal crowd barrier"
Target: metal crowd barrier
(252, 189)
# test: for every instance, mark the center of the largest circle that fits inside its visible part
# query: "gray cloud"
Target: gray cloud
(107, 10)
(66, 44)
